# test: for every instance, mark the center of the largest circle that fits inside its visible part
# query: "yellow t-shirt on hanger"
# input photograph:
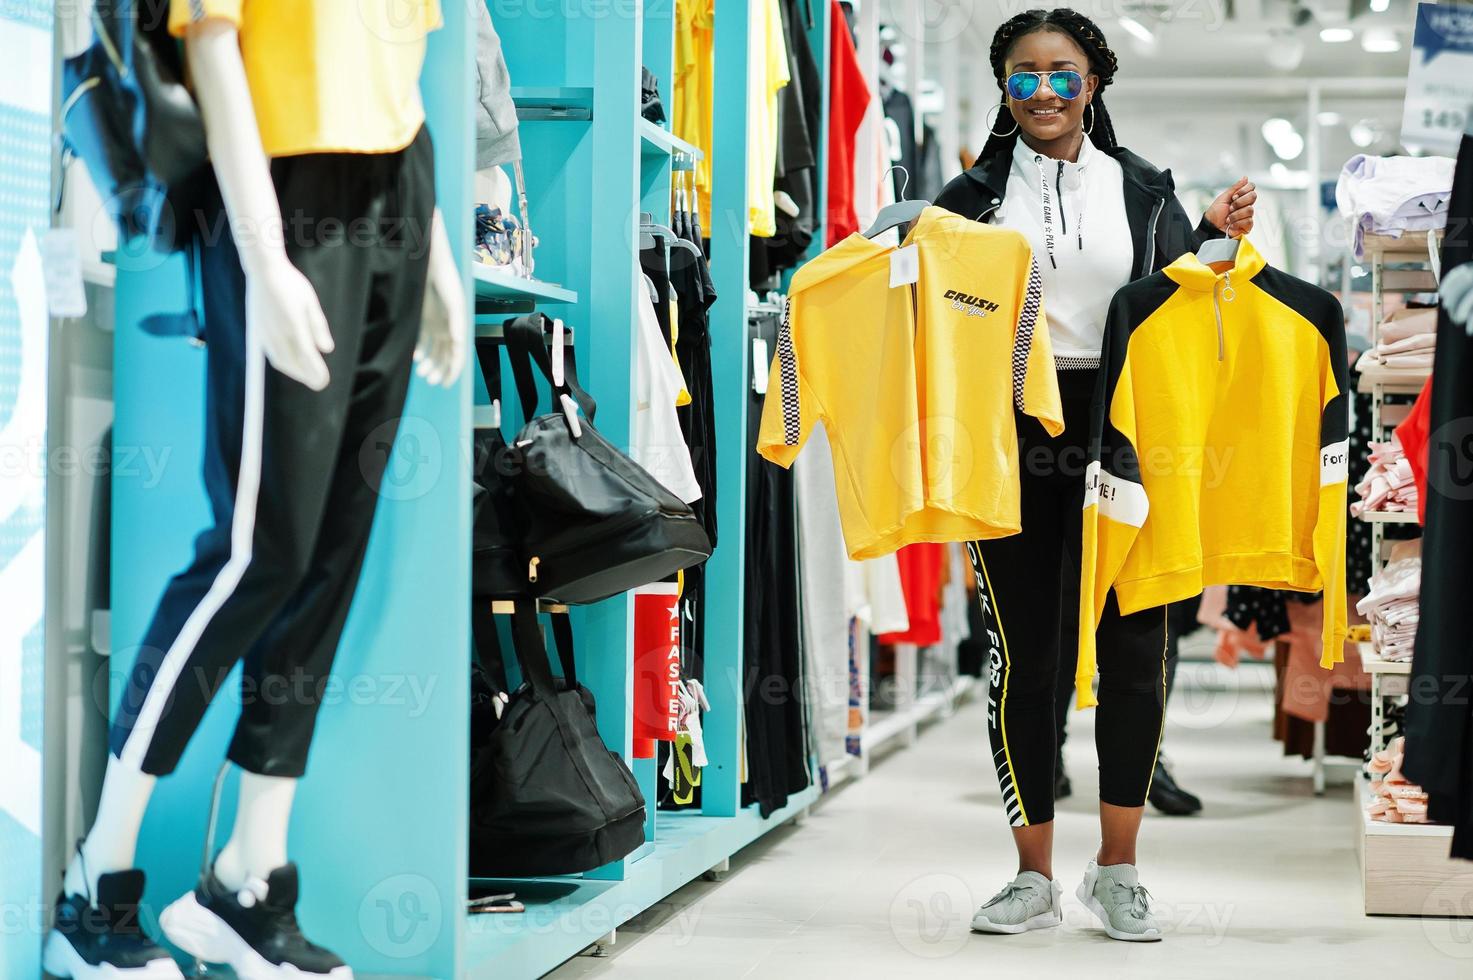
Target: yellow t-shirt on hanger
(767, 74)
(694, 70)
(327, 77)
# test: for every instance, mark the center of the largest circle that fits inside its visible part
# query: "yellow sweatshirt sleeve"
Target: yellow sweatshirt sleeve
(790, 407)
(1035, 382)
(1329, 527)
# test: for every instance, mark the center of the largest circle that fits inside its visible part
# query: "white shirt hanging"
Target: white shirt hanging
(658, 444)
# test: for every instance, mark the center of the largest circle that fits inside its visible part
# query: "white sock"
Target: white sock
(257, 844)
(112, 843)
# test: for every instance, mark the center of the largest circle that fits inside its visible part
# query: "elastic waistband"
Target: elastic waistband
(1076, 362)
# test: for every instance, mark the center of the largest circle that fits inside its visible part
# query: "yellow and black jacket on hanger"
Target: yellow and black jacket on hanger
(1218, 451)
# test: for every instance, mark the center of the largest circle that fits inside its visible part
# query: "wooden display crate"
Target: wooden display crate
(1405, 868)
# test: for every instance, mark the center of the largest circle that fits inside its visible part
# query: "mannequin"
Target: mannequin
(308, 354)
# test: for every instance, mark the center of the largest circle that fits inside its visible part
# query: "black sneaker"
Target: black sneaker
(254, 929)
(1165, 795)
(106, 941)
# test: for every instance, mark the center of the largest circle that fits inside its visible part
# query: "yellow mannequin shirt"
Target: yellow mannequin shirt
(1221, 445)
(327, 76)
(916, 385)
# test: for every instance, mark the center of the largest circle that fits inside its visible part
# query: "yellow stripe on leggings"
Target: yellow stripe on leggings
(1002, 706)
(1165, 641)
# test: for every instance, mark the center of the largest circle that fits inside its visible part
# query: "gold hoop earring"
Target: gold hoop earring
(1090, 128)
(991, 125)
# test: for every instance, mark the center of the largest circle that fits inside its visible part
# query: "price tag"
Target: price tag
(61, 262)
(905, 266)
(761, 365)
(1440, 79)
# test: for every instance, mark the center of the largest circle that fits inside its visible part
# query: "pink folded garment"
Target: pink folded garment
(1408, 362)
(1408, 322)
(1416, 343)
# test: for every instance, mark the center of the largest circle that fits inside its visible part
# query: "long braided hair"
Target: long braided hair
(1087, 34)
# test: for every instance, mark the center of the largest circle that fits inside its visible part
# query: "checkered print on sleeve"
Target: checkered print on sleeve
(1027, 323)
(788, 368)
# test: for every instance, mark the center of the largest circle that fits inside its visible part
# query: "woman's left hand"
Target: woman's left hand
(1232, 212)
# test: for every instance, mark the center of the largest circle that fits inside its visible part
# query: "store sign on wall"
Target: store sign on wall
(1440, 79)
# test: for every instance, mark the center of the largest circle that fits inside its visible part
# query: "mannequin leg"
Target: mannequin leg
(257, 844)
(113, 839)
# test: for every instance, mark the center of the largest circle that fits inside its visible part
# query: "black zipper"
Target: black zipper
(1059, 186)
(1151, 237)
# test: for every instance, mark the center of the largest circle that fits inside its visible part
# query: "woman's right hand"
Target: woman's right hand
(283, 309)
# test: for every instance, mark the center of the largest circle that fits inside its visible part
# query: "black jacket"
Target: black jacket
(1151, 206)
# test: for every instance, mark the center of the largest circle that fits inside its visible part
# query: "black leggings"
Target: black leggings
(1028, 587)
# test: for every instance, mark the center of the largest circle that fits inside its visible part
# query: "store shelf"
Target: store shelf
(1390, 380)
(656, 141)
(553, 103)
(906, 721)
(1372, 663)
(499, 291)
(567, 915)
(1377, 828)
(1389, 517)
(1408, 248)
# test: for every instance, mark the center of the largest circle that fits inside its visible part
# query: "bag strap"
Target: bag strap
(531, 650)
(526, 340)
(488, 355)
(562, 637)
(488, 645)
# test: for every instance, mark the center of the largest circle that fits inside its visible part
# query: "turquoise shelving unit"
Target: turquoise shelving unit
(380, 825)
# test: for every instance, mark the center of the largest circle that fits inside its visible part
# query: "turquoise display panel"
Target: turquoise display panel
(25, 175)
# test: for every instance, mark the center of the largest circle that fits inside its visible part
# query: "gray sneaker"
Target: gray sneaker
(1115, 895)
(1030, 901)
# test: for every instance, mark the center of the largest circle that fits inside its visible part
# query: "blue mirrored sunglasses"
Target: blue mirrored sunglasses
(1022, 85)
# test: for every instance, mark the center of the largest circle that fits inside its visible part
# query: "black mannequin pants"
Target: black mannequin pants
(293, 475)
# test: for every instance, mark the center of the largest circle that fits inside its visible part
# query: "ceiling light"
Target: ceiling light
(1284, 52)
(1276, 129)
(1137, 30)
(1362, 134)
(1380, 41)
(1380, 6)
(1336, 35)
(1328, 118)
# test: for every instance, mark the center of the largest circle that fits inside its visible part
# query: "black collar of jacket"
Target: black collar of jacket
(1150, 206)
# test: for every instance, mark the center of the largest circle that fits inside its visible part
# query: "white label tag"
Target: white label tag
(557, 352)
(61, 260)
(905, 266)
(761, 365)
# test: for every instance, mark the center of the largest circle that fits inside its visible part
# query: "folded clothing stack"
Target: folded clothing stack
(1391, 606)
(1406, 341)
(1388, 484)
(1393, 799)
(1394, 195)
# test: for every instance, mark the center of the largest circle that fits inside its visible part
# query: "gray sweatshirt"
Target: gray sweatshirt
(496, 117)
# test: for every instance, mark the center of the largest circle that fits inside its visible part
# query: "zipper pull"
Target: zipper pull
(532, 568)
(1227, 286)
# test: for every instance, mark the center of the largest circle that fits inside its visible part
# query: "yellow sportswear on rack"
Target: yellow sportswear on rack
(1218, 451)
(916, 383)
(340, 77)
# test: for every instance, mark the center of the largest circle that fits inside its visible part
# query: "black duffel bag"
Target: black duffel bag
(591, 522)
(547, 795)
